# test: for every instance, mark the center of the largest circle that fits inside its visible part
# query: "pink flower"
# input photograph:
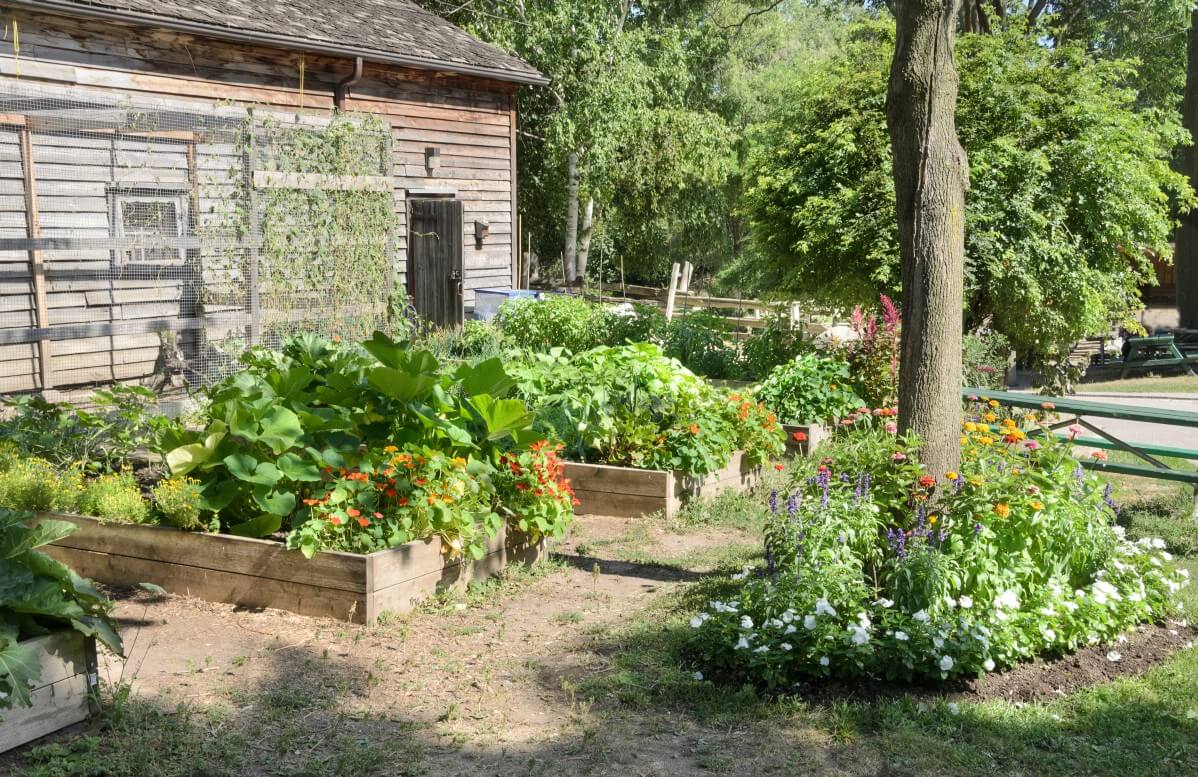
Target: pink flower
(1074, 431)
(1032, 445)
(892, 428)
(847, 422)
(1099, 455)
(898, 456)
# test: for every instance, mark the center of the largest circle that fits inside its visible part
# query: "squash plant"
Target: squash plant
(39, 595)
(315, 406)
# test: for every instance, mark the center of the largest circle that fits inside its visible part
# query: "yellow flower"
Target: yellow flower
(390, 449)
(951, 475)
(1002, 510)
(1037, 506)
(990, 418)
(985, 440)
(970, 426)
(932, 519)
(964, 440)
(993, 403)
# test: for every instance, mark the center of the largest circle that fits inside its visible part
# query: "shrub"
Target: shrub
(810, 389)
(778, 343)
(36, 485)
(643, 323)
(177, 500)
(984, 358)
(114, 497)
(895, 572)
(557, 321)
(698, 341)
(633, 406)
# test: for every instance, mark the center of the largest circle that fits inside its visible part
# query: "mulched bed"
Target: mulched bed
(1041, 680)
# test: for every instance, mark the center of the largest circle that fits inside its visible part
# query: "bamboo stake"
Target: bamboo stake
(37, 266)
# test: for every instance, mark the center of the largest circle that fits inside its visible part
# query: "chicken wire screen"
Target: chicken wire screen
(151, 241)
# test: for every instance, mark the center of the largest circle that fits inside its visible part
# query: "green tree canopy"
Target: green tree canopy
(1071, 186)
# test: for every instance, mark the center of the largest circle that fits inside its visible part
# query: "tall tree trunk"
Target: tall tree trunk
(584, 239)
(570, 254)
(931, 175)
(1187, 236)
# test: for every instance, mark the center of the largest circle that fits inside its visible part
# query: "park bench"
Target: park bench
(1078, 409)
(1157, 351)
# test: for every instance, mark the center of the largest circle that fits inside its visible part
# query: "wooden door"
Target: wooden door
(435, 259)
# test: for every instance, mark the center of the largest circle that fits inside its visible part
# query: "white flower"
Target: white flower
(901, 636)
(1119, 531)
(1183, 573)
(860, 635)
(921, 616)
(824, 661)
(950, 602)
(809, 622)
(697, 676)
(1114, 655)
(774, 623)
(746, 622)
(762, 649)
(953, 709)
(1166, 555)
(1049, 635)
(988, 664)
(823, 608)
(785, 646)
(742, 644)
(1008, 599)
(966, 602)
(788, 616)
(1104, 591)
(1049, 611)
(938, 642)
(946, 663)
(1158, 543)
(863, 619)
(790, 629)
(1070, 606)
(696, 622)
(885, 603)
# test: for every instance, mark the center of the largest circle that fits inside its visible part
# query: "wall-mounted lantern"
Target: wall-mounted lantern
(481, 230)
(432, 160)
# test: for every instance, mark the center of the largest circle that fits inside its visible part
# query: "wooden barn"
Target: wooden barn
(175, 183)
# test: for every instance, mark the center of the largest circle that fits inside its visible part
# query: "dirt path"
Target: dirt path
(469, 688)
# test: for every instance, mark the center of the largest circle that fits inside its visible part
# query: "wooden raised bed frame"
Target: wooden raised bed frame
(816, 434)
(603, 489)
(62, 696)
(263, 573)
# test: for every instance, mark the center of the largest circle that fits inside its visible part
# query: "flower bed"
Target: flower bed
(628, 492)
(876, 568)
(262, 573)
(62, 694)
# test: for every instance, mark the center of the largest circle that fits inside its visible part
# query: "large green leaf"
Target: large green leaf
(18, 665)
(400, 384)
(502, 417)
(387, 351)
(245, 467)
(280, 503)
(486, 377)
(262, 526)
(296, 468)
(289, 383)
(102, 630)
(187, 458)
(219, 494)
(281, 429)
(21, 539)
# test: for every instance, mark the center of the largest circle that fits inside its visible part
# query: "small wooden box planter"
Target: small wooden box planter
(263, 573)
(602, 489)
(816, 434)
(63, 693)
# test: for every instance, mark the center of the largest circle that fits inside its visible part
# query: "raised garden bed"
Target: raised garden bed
(63, 693)
(263, 573)
(812, 436)
(603, 489)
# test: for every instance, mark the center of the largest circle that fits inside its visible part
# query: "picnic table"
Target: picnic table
(1077, 411)
(1156, 351)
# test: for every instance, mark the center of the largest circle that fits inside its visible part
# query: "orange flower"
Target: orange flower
(353, 513)
(335, 520)
(1099, 455)
(1002, 510)
(363, 522)
(799, 436)
(779, 467)
(1037, 505)
(403, 501)
(927, 481)
(694, 429)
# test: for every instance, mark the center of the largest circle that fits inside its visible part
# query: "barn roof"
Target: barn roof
(394, 32)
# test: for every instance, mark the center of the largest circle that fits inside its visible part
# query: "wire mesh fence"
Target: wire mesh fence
(150, 241)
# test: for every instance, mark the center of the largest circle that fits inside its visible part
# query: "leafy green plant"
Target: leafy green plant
(537, 499)
(698, 340)
(811, 389)
(984, 358)
(557, 321)
(36, 485)
(177, 501)
(114, 497)
(875, 567)
(778, 343)
(39, 595)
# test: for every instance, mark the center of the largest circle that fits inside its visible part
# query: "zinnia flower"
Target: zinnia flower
(1099, 455)
(898, 456)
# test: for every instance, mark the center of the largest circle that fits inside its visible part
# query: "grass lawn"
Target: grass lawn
(1181, 384)
(581, 669)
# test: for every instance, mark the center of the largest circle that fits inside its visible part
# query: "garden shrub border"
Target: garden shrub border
(63, 696)
(252, 572)
(627, 492)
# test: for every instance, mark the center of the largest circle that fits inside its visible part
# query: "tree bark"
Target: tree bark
(1186, 258)
(584, 238)
(569, 256)
(931, 175)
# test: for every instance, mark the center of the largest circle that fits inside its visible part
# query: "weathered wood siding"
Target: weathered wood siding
(470, 120)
